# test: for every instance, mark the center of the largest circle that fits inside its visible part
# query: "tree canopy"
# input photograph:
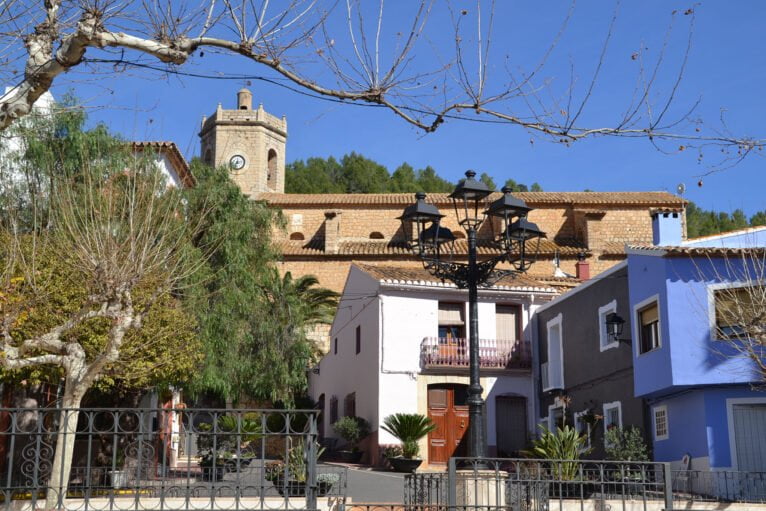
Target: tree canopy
(355, 173)
(703, 222)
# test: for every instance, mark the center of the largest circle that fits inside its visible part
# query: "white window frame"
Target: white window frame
(604, 339)
(552, 416)
(663, 409)
(578, 422)
(556, 321)
(637, 324)
(611, 406)
(711, 289)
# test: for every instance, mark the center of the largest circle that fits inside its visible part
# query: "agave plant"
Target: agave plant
(408, 428)
(565, 444)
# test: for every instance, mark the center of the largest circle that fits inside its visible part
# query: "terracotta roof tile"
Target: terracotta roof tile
(698, 251)
(656, 199)
(399, 275)
(313, 247)
(174, 154)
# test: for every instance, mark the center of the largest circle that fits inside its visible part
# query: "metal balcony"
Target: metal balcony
(452, 353)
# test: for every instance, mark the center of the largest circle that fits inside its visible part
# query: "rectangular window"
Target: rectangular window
(333, 410)
(649, 328)
(553, 370)
(605, 341)
(736, 308)
(451, 321)
(335, 346)
(582, 426)
(349, 405)
(358, 339)
(508, 322)
(661, 423)
(612, 415)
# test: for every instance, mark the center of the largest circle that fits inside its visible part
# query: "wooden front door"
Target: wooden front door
(448, 409)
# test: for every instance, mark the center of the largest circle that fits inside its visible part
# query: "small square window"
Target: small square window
(661, 423)
(649, 328)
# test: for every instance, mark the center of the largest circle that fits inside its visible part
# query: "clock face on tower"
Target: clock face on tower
(237, 162)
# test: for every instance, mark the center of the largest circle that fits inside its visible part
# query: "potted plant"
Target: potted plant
(408, 428)
(296, 470)
(119, 476)
(352, 430)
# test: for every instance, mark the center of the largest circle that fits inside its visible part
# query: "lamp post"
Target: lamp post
(434, 244)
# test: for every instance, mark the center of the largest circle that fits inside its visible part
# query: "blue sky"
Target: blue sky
(726, 71)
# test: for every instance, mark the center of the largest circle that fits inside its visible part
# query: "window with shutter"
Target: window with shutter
(451, 320)
(649, 327)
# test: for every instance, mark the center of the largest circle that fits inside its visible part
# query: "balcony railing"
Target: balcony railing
(441, 352)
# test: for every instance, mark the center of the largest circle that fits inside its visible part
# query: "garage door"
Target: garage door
(750, 436)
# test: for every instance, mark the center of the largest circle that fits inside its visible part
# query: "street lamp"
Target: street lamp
(516, 239)
(614, 327)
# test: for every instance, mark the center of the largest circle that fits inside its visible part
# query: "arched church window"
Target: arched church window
(375, 235)
(208, 157)
(271, 177)
(297, 236)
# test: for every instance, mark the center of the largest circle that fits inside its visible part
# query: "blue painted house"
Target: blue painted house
(704, 409)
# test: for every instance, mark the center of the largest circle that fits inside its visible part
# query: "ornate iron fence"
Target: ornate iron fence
(719, 486)
(541, 485)
(165, 459)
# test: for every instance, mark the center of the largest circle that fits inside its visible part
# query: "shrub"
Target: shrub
(352, 430)
(625, 444)
(408, 428)
(565, 444)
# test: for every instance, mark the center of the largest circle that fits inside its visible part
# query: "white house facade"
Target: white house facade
(398, 344)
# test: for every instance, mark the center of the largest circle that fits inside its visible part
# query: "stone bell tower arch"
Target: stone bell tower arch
(249, 143)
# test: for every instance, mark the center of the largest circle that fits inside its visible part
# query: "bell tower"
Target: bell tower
(249, 143)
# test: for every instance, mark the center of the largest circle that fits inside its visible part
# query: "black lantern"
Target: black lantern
(430, 241)
(467, 198)
(420, 224)
(614, 326)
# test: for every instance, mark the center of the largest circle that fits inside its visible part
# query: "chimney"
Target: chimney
(666, 228)
(331, 232)
(582, 267)
(244, 100)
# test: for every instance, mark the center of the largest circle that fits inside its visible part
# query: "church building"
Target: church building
(586, 231)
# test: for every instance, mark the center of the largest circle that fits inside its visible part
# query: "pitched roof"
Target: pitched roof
(315, 246)
(654, 199)
(420, 276)
(664, 251)
(174, 155)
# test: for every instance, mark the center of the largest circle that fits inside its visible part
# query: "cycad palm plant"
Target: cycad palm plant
(408, 428)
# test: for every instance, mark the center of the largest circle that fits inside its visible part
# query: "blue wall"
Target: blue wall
(687, 355)
(652, 370)
(698, 424)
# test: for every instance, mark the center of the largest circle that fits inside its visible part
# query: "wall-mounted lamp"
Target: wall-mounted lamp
(614, 326)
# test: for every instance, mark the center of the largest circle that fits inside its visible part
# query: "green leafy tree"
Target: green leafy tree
(404, 180)
(487, 180)
(99, 256)
(237, 233)
(429, 181)
(288, 309)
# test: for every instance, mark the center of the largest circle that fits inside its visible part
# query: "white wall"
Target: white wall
(346, 372)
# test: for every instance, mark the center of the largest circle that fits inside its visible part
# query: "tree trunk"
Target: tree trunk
(65, 439)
